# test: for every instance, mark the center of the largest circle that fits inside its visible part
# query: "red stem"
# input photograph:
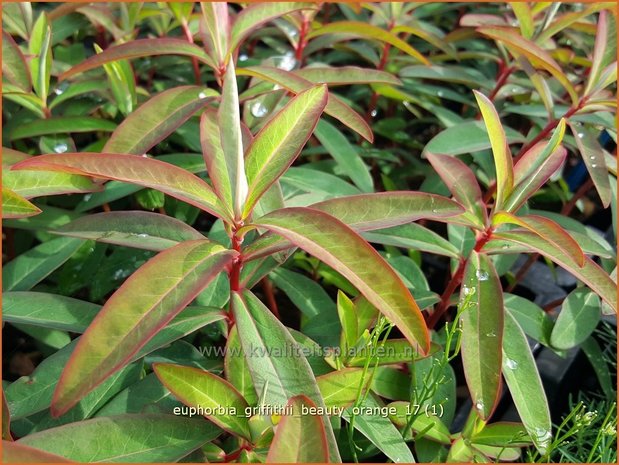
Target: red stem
(381, 66)
(502, 79)
(267, 287)
(298, 53)
(194, 60)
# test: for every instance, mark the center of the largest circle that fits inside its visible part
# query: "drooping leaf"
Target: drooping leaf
(14, 67)
(30, 184)
(198, 388)
(500, 149)
(61, 125)
(579, 316)
(143, 230)
(331, 241)
(157, 118)
(299, 438)
(293, 83)
(13, 452)
(277, 145)
(482, 333)
(143, 171)
(144, 304)
(15, 206)
(524, 384)
(367, 31)
(125, 438)
(140, 48)
(277, 378)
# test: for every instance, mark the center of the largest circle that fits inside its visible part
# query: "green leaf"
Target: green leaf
(40, 46)
(533, 320)
(341, 388)
(15, 206)
(216, 20)
(48, 310)
(122, 83)
(253, 16)
(482, 332)
(293, 83)
(345, 75)
(28, 269)
(524, 384)
(579, 316)
(14, 67)
(201, 389)
(125, 438)
(281, 377)
(459, 74)
(157, 118)
(390, 352)
(144, 304)
(431, 426)
(502, 434)
(525, 19)
(345, 155)
(599, 362)
(538, 57)
(306, 294)
(139, 229)
(354, 29)
(140, 48)
(30, 184)
(592, 154)
(500, 149)
(13, 452)
(602, 42)
(467, 137)
(237, 369)
(144, 171)
(61, 125)
(591, 274)
(348, 318)
(278, 144)
(332, 242)
(6, 419)
(299, 437)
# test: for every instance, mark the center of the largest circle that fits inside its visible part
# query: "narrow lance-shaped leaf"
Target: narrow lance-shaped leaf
(60, 125)
(345, 75)
(6, 419)
(31, 184)
(593, 156)
(599, 49)
(228, 118)
(367, 31)
(579, 316)
(525, 19)
(547, 230)
(199, 388)
(525, 385)
(140, 48)
(13, 452)
(143, 171)
(278, 144)
(157, 118)
(154, 438)
(334, 243)
(14, 67)
(143, 305)
(40, 45)
(15, 206)
(278, 378)
(122, 83)
(482, 332)
(500, 150)
(143, 230)
(299, 438)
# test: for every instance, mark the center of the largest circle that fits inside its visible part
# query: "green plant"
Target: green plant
(231, 130)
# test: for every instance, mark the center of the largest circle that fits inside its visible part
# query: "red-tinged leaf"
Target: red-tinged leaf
(142, 306)
(538, 57)
(593, 155)
(354, 29)
(61, 125)
(430, 37)
(346, 75)
(525, 18)
(482, 332)
(461, 182)
(13, 452)
(299, 438)
(548, 230)
(40, 49)
(15, 206)
(293, 83)
(591, 274)
(568, 19)
(138, 49)
(14, 67)
(31, 184)
(500, 150)
(599, 50)
(280, 141)
(198, 388)
(216, 163)
(367, 212)
(143, 171)
(252, 17)
(139, 229)
(10, 156)
(6, 419)
(216, 31)
(334, 243)
(535, 167)
(157, 118)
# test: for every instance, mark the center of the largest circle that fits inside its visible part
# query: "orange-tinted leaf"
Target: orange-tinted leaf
(13, 452)
(15, 206)
(345, 75)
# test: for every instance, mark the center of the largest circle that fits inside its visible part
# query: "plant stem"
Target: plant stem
(381, 66)
(194, 60)
(501, 80)
(267, 287)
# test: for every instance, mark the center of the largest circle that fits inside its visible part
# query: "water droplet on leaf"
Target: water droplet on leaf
(61, 147)
(258, 110)
(481, 275)
(511, 364)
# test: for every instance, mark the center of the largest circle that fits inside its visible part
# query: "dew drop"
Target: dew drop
(61, 147)
(286, 62)
(491, 334)
(580, 135)
(434, 210)
(202, 95)
(479, 405)
(373, 113)
(481, 275)
(258, 110)
(511, 364)
(440, 93)
(468, 290)
(593, 165)
(505, 246)
(61, 88)
(87, 197)
(144, 155)
(243, 57)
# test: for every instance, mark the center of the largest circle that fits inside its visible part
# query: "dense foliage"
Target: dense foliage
(307, 232)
